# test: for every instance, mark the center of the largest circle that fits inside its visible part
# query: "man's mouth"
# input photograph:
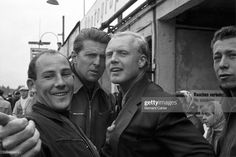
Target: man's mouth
(94, 71)
(60, 93)
(115, 69)
(224, 76)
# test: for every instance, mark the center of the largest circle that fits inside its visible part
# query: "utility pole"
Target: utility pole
(63, 29)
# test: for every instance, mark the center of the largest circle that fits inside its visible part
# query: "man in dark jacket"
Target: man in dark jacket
(91, 107)
(50, 75)
(139, 131)
(224, 56)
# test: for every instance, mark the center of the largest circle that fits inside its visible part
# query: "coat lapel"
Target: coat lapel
(126, 114)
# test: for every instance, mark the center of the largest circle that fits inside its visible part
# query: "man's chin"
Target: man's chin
(228, 85)
(115, 80)
(92, 79)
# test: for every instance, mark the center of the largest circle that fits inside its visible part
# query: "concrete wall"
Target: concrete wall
(159, 22)
(181, 56)
(165, 55)
(67, 48)
(194, 63)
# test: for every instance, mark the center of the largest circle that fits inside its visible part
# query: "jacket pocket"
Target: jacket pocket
(73, 147)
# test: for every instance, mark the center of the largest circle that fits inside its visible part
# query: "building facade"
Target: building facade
(179, 33)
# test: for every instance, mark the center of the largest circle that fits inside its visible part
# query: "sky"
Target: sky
(27, 20)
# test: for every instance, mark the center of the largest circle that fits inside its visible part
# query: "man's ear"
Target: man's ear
(73, 56)
(31, 84)
(142, 61)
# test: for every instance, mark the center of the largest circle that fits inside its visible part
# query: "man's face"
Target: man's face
(17, 95)
(122, 58)
(24, 94)
(208, 117)
(224, 56)
(54, 83)
(90, 62)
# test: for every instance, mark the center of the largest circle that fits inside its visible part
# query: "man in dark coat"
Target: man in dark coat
(224, 56)
(140, 131)
(50, 75)
(91, 107)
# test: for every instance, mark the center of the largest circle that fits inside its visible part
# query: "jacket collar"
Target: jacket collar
(226, 92)
(1, 98)
(128, 110)
(134, 86)
(78, 85)
(48, 112)
(228, 103)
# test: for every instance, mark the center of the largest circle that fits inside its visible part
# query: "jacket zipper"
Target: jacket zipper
(89, 120)
(88, 144)
(90, 113)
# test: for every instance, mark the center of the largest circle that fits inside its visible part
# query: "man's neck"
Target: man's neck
(24, 98)
(90, 86)
(125, 87)
(233, 92)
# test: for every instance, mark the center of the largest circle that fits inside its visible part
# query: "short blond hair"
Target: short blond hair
(143, 47)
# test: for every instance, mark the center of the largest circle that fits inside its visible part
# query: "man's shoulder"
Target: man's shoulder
(5, 102)
(154, 89)
(104, 91)
(17, 103)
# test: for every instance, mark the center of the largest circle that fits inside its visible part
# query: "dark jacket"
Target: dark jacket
(227, 142)
(60, 137)
(163, 134)
(93, 115)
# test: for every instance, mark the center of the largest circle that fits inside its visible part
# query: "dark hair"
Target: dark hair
(90, 34)
(16, 92)
(1, 92)
(32, 65)
(224, 33)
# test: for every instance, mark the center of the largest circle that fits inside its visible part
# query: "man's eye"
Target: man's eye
(232, 55)
(123, 53)
(67, 74)
(91, 55)
(108, 54)
(217, 57)
(48, 76)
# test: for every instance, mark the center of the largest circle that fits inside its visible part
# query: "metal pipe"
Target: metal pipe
(117, 14)
(63, 29)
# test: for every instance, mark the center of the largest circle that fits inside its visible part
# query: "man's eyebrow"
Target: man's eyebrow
(66, 69)
(230, 51)
(216, 53)
(48, 72)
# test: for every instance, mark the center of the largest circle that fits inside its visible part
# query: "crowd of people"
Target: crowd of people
(71, 115)
(17, 103)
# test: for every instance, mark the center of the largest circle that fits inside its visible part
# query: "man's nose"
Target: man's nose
(114, 58)
(97, 60)
(224, 62)
(60, 82)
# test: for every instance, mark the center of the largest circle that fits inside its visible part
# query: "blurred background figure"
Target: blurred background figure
(190, 109)
(15, 97)
(213, 117)
(5, 106)
(31, 100)
(21, 105)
